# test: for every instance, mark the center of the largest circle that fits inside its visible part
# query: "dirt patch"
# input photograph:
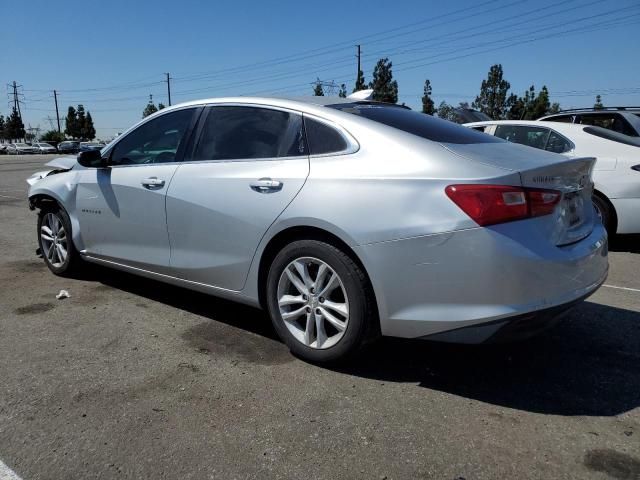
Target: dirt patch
(34, 309)
(27, 266)
(213, 338)
(615, 464)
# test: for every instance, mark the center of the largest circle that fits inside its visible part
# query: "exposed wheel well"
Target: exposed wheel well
(302, 233)
(612, 209)
(41, 201)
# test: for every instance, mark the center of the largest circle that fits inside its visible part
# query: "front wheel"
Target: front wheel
(54, 239)
(320, 302)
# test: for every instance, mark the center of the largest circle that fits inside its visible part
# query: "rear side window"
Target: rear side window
(245, 133)
(419, 124)
(557, 143)
(322, 138)
(535, 137)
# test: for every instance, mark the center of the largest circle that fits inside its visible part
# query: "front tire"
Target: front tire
(320, 302)
(56, 245)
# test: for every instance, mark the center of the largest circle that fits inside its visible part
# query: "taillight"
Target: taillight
(491, 204)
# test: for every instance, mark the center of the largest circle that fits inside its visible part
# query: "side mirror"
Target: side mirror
(92, 159)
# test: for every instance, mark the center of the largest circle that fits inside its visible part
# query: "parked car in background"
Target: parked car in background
(86, 146)
(20, 149)
(276, 203)
(625, 120)
(3, 148)
(42, 147)
(616, 173)
(69, 146)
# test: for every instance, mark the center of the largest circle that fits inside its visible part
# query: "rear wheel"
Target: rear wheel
(56, 244)
(319, 301)
(605, 213)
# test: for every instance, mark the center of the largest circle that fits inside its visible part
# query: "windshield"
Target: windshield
(419, 124)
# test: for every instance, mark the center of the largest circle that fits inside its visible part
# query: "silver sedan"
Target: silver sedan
(346, 219)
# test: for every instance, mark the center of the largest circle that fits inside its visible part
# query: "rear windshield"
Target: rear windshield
(420, 124)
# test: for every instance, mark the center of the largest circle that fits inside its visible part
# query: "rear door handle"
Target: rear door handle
(266, 185)
(152, 183)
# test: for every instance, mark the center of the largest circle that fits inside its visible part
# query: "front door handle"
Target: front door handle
(152, 183)
(266, 185)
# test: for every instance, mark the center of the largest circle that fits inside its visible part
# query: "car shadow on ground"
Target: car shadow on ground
(587, 365)
(625, 243)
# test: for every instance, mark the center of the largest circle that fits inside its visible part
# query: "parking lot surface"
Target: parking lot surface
(131, 378)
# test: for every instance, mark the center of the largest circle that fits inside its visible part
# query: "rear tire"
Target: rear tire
(55, 241)
(605, 213)
(326, 299)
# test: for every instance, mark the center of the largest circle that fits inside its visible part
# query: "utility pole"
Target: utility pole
(358, 72)
(168, 87)
(55, 97)
(16, 102)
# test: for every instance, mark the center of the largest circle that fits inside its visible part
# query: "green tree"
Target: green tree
(446, 112)
(2, 127)
(71, 124)
(149, 109)
(317, 90)
(343, 91)
(598, 105)
(360, 83)
(160, 106)
(14, 128)
(81, 122)
(385, 88)
(89, 128)
(493, 94)
(428, 105)
(540, 104)
(52, 136)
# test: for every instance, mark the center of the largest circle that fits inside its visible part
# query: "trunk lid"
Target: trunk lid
(574, 216)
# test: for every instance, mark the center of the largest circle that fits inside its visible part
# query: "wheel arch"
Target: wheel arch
(305, 232)
(614, 215)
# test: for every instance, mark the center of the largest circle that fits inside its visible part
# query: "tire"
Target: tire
(606, 214)
(312, 337)
(48, 218)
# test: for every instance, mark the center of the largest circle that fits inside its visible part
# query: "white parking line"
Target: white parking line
(623, 288)
(5, 196)
(6, 473)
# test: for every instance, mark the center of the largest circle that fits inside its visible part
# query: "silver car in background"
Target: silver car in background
(345, 219)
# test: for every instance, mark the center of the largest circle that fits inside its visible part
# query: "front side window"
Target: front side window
(535, 137)
(156, 141)
(245, 133)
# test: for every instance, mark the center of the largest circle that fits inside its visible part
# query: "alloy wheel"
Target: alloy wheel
(313, 302)
(54, 240)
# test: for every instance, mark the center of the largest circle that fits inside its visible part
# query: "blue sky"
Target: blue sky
(110, 55)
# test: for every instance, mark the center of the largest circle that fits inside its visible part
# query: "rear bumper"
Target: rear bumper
(482, 277)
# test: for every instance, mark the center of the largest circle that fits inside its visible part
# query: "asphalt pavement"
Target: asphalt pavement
(131, 378)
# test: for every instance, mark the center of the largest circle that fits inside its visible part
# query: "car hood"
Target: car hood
(57, 164)
(62, 163)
